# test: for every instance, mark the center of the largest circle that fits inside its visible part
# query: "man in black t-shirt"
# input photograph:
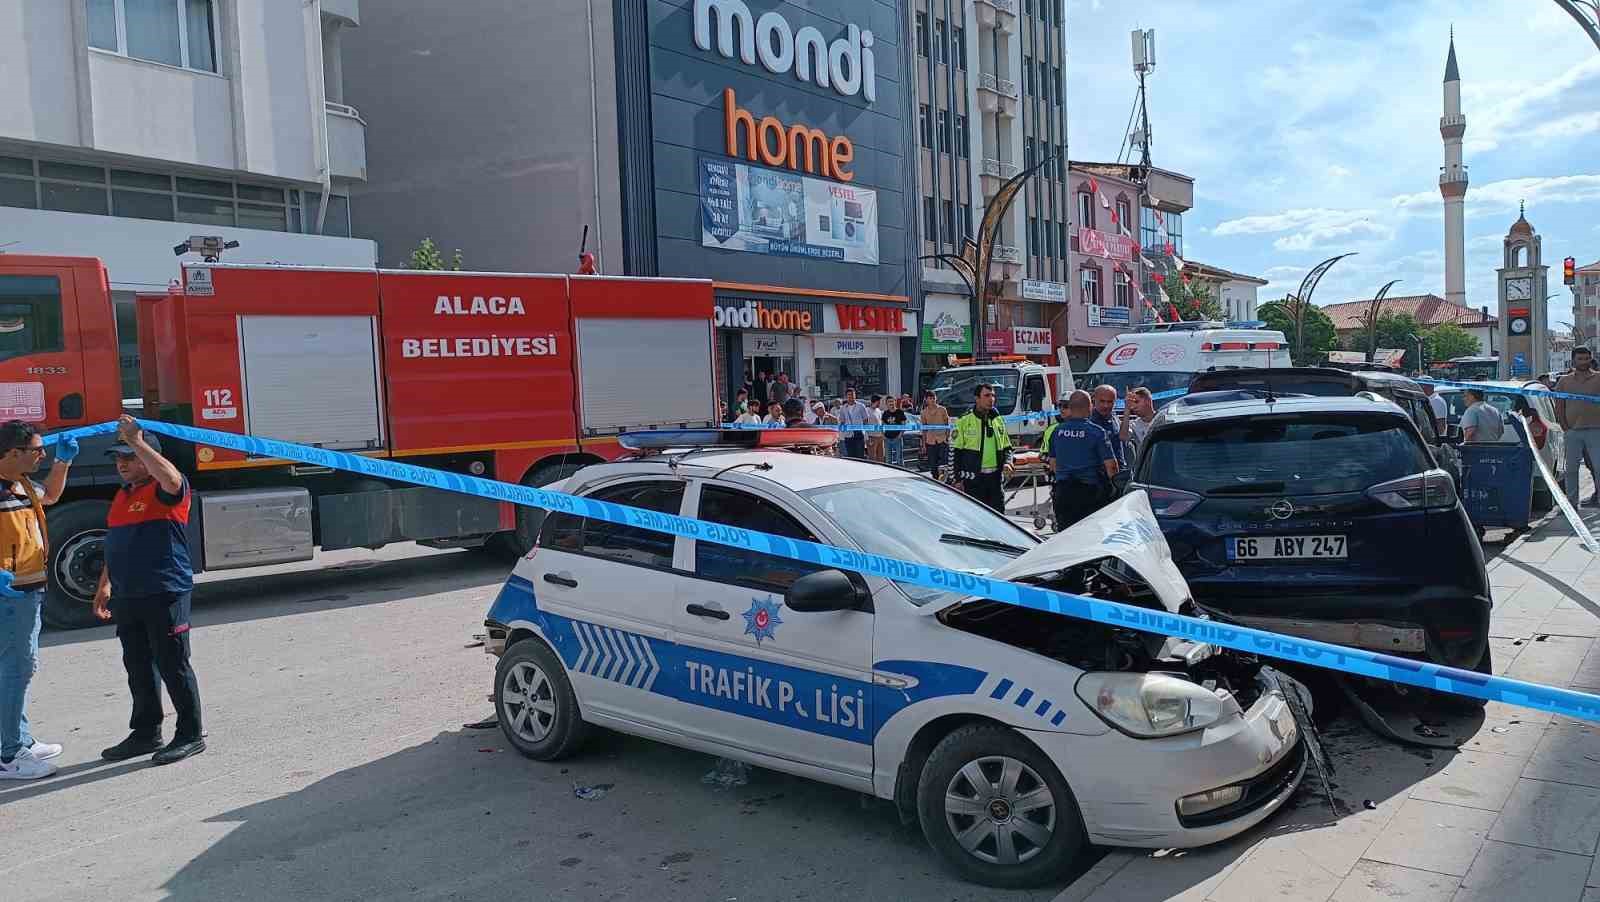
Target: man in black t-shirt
(894, 441)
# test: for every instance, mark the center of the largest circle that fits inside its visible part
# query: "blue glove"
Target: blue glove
(67, 450)
(6, 576)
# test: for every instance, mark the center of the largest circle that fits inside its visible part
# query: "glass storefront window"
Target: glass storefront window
(868, 375)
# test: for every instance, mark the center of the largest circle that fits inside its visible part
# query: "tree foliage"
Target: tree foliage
(1447, 341)
(1320, 334)
(427, 256)
(1193, 298)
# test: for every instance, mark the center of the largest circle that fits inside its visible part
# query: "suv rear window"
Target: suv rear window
(1292, 454)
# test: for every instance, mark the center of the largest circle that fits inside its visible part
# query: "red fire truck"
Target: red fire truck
(521, 378)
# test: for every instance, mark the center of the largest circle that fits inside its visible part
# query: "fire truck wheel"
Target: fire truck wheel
(77, 553)
(518, 542)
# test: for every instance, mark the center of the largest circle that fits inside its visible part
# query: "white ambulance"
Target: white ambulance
(1166, 356)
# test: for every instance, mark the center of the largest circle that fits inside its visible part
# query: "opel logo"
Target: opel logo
(1281, 510)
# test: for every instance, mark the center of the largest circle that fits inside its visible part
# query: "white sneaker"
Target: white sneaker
(25, 767)
(44, 751)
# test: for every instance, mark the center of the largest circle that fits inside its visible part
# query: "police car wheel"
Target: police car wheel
(998, 810)
(534, 702)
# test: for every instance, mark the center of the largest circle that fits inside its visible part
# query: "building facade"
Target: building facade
(1429, 310)
(126, 127)
(991, 103)
(760, 144)
(1235, 292)
(1586, 305)
(1106, 265)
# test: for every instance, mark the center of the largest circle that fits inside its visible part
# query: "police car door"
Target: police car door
(609, 591)
(760, 676)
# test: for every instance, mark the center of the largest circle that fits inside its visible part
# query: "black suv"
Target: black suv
(1321, 517)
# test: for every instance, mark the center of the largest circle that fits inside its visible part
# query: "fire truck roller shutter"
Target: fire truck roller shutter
(634, 374)
(312, 379)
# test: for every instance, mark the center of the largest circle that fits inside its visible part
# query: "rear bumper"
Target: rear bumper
(1451, 630)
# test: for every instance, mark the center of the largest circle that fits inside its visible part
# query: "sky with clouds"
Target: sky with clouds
(1312, 129)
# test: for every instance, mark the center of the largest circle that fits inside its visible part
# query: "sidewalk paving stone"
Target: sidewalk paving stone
(1507, 871)
(1523, 728)
(1273, 877)
(1473, 780)
(1555, 663)
(1374, 881)
(1433, 837)
(1568, 753)
(1556, 816)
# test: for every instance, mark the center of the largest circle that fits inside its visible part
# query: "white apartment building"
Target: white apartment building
(991, 102)
(127, 126)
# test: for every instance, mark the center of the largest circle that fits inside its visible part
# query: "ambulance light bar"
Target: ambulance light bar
(680, 439)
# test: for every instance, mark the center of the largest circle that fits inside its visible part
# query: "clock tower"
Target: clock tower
(1523, 291)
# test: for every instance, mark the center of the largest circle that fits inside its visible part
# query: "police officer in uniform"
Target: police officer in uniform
(1084, 463)
(982, 451)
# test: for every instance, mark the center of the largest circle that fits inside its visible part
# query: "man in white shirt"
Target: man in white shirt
(854, 413)
(1436, 403)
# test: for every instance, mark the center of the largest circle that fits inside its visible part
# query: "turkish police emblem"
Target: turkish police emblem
(762, 620)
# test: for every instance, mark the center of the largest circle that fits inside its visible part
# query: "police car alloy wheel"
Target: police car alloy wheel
(997, 809)
(534, 702)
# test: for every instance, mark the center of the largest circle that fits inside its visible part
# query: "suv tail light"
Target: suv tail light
(1432, 489)
(1168, 502)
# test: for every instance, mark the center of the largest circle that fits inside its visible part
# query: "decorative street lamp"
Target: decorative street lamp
(976, 260)
(1302, 302)
(1372, 318)
(1587, 12)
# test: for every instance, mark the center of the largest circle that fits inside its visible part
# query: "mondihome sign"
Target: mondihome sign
(845, 65)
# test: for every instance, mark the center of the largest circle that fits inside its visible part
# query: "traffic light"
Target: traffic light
(1568, 271)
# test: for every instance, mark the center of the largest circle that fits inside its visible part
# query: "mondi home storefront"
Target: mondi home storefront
(772, 139)
(825, 347)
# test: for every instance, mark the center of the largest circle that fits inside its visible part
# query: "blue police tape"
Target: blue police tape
(1240, 638)
(1502, 389)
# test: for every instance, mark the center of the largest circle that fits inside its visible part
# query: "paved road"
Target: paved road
(339, 769)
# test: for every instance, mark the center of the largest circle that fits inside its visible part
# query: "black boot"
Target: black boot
(135, 745)
(179, 749)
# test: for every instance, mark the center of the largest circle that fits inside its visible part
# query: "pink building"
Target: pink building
(1104, 267)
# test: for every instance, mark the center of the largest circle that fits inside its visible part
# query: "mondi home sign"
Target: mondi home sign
(845, 65)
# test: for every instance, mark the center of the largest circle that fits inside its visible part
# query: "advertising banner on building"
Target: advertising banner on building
(766, 211)
(1030, 339)
(997, 341)
(1115, 316)
(946, 326)
(1388, 356)
(1104, 244)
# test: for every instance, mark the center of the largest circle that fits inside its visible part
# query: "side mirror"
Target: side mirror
(828, 590)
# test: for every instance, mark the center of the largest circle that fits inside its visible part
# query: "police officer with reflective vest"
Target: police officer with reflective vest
(1084, 463)
(145, 585)
(982, 451)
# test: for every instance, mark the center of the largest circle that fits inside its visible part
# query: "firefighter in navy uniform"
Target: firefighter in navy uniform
(145, 585)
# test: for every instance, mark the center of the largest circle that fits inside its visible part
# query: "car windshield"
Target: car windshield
(1156, 381)
(958, 389)
(916, 519)
(1289, 454)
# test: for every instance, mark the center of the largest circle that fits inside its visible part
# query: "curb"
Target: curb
(1099, 875)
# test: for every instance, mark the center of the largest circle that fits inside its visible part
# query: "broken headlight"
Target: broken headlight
(1150, 705)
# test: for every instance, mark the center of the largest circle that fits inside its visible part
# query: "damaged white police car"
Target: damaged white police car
(1014, 737)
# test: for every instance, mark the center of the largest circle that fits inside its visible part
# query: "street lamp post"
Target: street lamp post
(1422, 363)
(1302, 301)
(1587, 12)
(1372, 318)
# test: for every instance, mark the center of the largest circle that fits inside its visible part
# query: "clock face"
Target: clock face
(1519, 289)
(1519, 326)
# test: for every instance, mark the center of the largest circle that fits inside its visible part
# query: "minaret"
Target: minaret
(1453, 183)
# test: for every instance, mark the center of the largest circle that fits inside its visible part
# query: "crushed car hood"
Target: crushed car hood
(1125, 529)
